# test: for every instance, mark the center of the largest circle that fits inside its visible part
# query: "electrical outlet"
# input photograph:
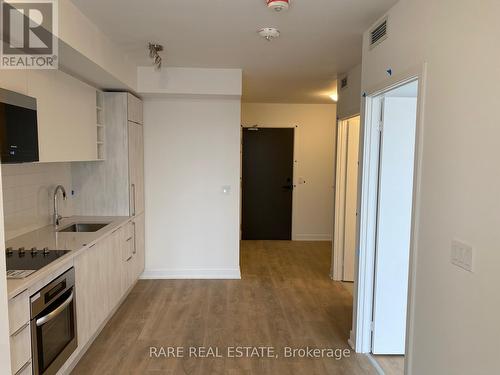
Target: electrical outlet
(461, 255)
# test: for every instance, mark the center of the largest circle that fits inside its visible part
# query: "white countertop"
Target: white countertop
(49, 237)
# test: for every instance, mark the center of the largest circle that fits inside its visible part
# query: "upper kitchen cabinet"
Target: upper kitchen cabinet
(134, 109)
(66, 116)
(116, 186)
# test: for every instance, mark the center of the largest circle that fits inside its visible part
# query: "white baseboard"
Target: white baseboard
(175, 274)
(311, 237)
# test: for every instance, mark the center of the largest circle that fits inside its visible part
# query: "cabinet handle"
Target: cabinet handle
(129, 258)
(20, 330)
(47, 318)
(128, 239)
(24, 367)
(133, 200)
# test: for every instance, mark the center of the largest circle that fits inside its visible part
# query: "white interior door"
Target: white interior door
(351, 198)
(346, 196)
(397, 152)
(340, 193)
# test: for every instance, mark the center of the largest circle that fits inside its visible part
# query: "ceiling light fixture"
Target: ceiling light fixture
(278, 5)
(154, 48)
(269, 33)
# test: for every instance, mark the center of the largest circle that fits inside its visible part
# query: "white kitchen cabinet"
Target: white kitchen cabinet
(134, 109)
(114, 187)
(67, 117)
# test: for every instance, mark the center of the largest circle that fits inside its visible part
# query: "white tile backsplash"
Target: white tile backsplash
(27, 195)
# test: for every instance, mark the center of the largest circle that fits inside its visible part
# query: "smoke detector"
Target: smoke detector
(269, 33)
(278, 5)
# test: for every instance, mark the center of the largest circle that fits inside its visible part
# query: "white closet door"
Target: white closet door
(394, 225)
(340, 184)
(351, 198)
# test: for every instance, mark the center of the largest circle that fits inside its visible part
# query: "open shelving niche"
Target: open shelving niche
(101, 131)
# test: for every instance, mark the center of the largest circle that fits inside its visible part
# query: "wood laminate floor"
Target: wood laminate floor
(391, 364)
(285, 299)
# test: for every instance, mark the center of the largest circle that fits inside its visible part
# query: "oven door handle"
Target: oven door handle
(56, 312)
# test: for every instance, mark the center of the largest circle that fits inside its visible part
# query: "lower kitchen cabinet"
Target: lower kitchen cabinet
(19, 329)
(139, 261)
(20, 349)
(104, 274)
(133, 252)
(91, 279)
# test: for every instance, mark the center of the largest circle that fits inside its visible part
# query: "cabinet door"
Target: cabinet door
(134, 109)
(115, 289)
(66, 116)
(136, 167)
(139, 245)
(128, 257)
(92, 302)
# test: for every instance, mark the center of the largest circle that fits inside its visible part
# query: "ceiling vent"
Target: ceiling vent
(378, 33)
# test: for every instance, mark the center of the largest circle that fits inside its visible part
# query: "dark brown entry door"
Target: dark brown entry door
(267, 184)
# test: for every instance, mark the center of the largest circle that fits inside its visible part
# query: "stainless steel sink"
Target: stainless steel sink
(83, 227)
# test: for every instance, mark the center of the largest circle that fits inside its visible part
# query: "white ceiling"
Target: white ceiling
(319, 39)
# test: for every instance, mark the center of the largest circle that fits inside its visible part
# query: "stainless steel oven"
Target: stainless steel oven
(53, 324)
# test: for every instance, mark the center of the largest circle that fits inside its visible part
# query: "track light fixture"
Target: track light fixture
(154, 48)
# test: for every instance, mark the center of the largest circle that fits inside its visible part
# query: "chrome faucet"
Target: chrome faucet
(57, 217)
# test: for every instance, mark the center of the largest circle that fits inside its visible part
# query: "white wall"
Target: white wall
(349, 102)
(192, 150)
(314, 152)
(189, 81)
(456, 327)
(27, 195)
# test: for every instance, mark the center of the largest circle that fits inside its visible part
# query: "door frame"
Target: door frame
(295, 165)
(361, 333)
(337, 262)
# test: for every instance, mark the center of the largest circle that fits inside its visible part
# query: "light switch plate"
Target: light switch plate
(462, 255)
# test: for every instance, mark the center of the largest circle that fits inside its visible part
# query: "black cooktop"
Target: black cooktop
(31, 259)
